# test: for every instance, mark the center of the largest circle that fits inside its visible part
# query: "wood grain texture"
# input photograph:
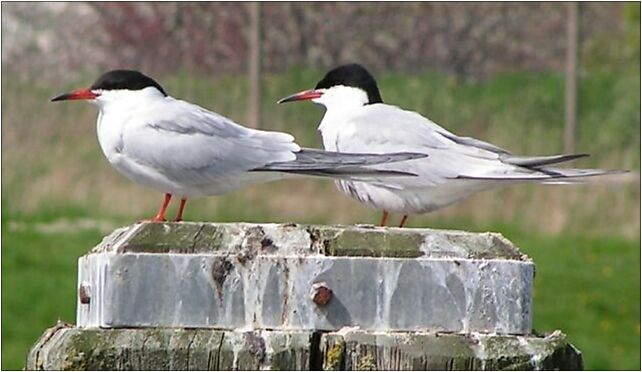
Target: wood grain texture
(64, 347)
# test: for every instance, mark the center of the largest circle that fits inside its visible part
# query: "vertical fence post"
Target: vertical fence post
(254, 119)
(572, 28)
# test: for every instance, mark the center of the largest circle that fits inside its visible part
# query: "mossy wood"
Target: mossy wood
(67, 348)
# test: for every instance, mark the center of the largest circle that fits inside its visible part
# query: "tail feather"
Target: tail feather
(573, 175)
(539, 161)
(550, 175)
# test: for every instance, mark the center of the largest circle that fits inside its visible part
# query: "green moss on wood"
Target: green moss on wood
(334, 356)
(172, 349)
(367, 363)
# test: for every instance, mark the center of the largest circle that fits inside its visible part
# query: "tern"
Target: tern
(357, 120)
(184, 150)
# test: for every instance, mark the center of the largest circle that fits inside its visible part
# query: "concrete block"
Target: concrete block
(232, 276)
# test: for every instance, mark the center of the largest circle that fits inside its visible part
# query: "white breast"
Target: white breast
(109, 129)
(116, 119)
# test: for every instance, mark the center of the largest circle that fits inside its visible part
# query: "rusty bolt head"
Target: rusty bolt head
(84, 294)
(321, 293)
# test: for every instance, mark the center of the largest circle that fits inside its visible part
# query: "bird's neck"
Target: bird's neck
(334, 120)
(121, 102)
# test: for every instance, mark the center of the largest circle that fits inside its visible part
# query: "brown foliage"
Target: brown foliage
(465, 39)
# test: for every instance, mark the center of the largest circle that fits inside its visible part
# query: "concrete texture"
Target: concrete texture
(231, 276)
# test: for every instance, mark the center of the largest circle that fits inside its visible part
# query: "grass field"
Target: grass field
(59, 196)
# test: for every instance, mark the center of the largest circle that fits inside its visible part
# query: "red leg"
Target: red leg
(179, 215)
(160, 217)
(384, 218)
(403, 220)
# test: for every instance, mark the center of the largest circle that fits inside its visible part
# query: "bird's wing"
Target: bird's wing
(337, 162)
(383, 128)
(192, 145)
(472, 142)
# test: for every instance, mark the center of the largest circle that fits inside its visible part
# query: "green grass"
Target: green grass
(590, 289)
(587, 287)
(38, 285)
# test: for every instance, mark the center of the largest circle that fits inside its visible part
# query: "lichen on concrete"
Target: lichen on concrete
(164, 237)
(359, 241)
(370, 243)
(110, 240)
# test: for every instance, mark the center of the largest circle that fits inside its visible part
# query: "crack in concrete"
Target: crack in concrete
(195, 238)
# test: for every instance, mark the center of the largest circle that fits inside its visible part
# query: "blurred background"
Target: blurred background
(535, 78)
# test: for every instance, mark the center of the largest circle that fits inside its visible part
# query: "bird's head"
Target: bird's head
(346, 85)
(116, 86)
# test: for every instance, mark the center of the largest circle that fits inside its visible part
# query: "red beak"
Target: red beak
(302, 96)
(76, 95)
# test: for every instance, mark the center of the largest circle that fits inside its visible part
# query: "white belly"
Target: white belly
(147, 176)
(413, 200)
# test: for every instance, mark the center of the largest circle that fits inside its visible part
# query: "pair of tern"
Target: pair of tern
(381, 155)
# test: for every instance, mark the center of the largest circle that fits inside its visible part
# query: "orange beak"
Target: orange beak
(77, 94)
(302, 96)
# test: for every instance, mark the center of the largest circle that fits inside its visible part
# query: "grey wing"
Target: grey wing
(196, 146)
(507, 157)
(384, 129)
(473, 142)
(320, 162)
(388, 129)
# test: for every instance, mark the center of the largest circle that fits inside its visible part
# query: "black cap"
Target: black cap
(125, 79)
(352, 75)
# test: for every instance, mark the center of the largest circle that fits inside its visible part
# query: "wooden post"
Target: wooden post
(267, 296)
(254, 63)
(572, 31)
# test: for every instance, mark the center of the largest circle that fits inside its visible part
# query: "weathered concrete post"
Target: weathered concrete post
(247, 296)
